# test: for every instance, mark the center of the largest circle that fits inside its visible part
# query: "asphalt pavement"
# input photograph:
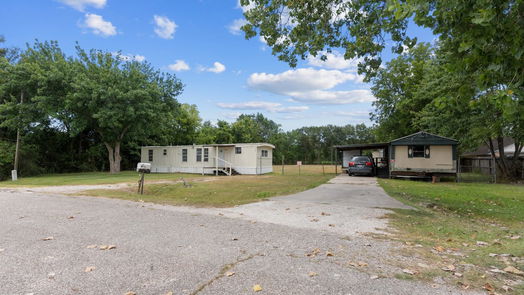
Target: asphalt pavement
(50, 244)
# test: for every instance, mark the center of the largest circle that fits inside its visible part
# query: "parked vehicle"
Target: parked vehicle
(361, 165)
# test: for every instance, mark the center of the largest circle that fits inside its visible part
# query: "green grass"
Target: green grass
(89, 178)
(222, 191)
(457, 215)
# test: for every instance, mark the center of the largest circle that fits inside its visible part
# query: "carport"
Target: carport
(381, 162)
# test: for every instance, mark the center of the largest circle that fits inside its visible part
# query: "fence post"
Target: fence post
(458, 170)
(282, 165)
(495, 169)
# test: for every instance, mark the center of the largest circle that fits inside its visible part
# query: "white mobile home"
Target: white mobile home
(237, 158)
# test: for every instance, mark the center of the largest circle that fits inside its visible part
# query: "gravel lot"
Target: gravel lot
(162, 249)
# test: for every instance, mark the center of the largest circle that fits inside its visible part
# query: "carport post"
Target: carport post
(336, 162)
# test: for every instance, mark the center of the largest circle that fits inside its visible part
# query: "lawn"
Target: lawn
(203, 191)
(476, 228)
(89, 178)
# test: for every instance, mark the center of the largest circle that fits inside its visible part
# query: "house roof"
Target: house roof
(423, 138)
(484, 151)
(362, 146)
(214, 145)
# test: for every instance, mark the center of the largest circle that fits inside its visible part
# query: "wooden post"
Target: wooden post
(323, 172)
(336, 162)
(299, 169)
(282, 164)
(141, 183)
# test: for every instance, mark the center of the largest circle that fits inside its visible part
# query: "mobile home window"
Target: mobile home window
(165, 152)
(418, 151)
(150, 155)
(238, 150)
(199, 155)
(206, 154)
(184, 155)
(264, 153)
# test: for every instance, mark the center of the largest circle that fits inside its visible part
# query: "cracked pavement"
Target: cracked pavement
(161, 249)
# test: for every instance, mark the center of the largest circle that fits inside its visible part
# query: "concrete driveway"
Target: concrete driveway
(345, 205)
(47, 246)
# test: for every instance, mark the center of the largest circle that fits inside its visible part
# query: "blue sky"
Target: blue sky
(225, 75)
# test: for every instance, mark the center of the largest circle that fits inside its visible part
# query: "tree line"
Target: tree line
(92, 111)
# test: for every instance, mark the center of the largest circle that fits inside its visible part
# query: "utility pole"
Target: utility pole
(14, 173)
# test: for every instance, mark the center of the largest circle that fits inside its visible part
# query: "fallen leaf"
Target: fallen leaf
(130, 293)
(409, 243)
(458, 274)
(111, 247)
(234, 239)
(328, 253)
(103, 247)
(169, 293)
(514, 270)
(374, 277)
(514, 237)
(257, 288)
(481, 243)
(325, 214)
(51, 275)
(313, 253)
(488, 287)
(450, 267)
(220, 214)
(70, 217)
(91, 246)
(439, 248)
(230, 273)
(492, 255)
(288, 209)
(332, 225)
(314, 220)
(48, 239)
(362, 264)
(409, 271)
(312, 274)
(89, 269)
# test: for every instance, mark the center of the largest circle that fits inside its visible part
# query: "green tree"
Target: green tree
(115, 98)
(394, 86)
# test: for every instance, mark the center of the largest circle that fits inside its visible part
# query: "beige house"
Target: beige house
(229, 159)
(422, 154)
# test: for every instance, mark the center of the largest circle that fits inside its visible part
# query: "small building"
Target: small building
(229, 159)
(420, 154)
(423, 154)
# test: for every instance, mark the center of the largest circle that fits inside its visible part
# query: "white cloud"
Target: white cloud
(80, 5)
(311, 86)
(216, 68)
(357, 114)
(333, 97)
(234, 28)
(179, 66)
(98, 25)
(273, 107)
(130, 57)
(335, 60)
(304, 79)
(164, 27)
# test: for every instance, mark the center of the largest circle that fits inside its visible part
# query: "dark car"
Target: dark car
(361, 165)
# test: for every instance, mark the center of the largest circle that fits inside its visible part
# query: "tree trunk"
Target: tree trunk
(114, 156)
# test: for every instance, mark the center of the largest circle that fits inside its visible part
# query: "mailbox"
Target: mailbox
(143, 167)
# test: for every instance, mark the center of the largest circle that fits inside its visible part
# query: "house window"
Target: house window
(150, 155)
(184, 155)
(264, 153)
(238, 150)
(418, 151)
(206, 154)
(199, 155)
(165, 152)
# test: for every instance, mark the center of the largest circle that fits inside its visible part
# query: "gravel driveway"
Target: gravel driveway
(162, 249)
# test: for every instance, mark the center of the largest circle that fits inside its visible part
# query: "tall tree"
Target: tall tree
(115, 98)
